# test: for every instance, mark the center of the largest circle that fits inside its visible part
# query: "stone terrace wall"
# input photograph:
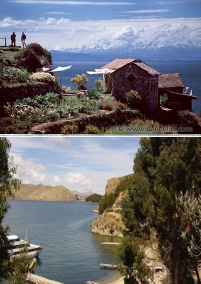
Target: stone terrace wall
(101, 120)
(13, 92)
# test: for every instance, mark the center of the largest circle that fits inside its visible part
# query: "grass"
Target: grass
(8, 53)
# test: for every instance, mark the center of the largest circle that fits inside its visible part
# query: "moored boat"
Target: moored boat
(19, 247)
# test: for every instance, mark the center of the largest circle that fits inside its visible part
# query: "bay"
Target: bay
(190, 72)
(71, 253)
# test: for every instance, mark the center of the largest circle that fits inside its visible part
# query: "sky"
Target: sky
(63, 25)
(78, 163)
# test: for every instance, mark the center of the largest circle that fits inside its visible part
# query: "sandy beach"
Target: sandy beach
(118, 281)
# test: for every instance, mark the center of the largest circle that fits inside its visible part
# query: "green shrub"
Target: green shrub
(91, 94)
(99, 84)
(163, 100)
(124, 184)
(40, 101)
(32, 57)
(106, 202)
(40, 51)
(110, 104)
(91, 129)
(186, 119)
(94, 198)
(43, 77)
(70, 129)
(13, 75)
(133, 99)
(79, 80)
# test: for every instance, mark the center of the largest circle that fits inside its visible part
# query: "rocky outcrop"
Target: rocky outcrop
(45, 193)
(109, 224)
(112, 184)
(117, 205)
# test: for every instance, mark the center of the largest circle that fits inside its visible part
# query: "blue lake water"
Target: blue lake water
(190, 72)
(71, 253)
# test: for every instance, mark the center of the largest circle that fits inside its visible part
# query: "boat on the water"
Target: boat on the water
(19, 247)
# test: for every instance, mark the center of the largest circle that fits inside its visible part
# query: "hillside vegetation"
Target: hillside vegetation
(31, 58)
(110, 222)
(45, 193)
(94, 198)
(113, 193)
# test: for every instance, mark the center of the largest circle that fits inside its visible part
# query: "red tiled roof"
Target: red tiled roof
(166, 81)
(119, 63)
(147, 68)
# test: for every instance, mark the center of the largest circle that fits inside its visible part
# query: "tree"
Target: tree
(133, 267)
(190, 210)
(79, 80)
(164, 168)
(99, 84)
(8, 184)
(106, 202)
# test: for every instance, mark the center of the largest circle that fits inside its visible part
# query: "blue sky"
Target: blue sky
(61, 24)
(78, 163)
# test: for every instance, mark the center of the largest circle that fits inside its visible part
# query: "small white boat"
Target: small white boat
(18, 247)
(108, 266)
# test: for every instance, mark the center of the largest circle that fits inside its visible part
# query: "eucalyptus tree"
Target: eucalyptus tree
(190, 210)
(12, 269)
(164, 169)
(133, 266)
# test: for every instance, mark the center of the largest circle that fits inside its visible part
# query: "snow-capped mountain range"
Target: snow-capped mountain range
(145, 54)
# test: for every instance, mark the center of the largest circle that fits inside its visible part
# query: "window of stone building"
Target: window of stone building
(131, 77)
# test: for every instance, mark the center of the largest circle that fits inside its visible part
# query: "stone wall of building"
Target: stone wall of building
(135, 78)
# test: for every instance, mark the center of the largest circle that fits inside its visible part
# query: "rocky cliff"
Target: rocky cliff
(111, 223)
(112, 184)
(45, 193)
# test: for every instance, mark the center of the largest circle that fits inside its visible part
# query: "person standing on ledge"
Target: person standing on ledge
(23, 38)
(13, 39)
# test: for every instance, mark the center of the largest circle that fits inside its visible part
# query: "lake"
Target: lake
(190, 72)
(71, 253)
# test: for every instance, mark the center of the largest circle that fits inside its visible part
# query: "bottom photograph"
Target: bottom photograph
(100, 210)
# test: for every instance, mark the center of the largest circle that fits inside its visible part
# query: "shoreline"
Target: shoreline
(116, 278)
(118, 281)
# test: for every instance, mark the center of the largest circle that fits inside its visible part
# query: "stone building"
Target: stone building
(172, 86)
(131, 74)
(122, 75)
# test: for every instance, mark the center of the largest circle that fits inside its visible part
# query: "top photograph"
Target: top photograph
(100, 67)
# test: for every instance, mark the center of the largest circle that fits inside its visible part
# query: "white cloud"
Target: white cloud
(29, 172)
(80, 182)
(147, 11)
(79, 163)
(125, 34)
(20, 144)
(64, 33)
(76, 178)
(54, 142)
(57, 180)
